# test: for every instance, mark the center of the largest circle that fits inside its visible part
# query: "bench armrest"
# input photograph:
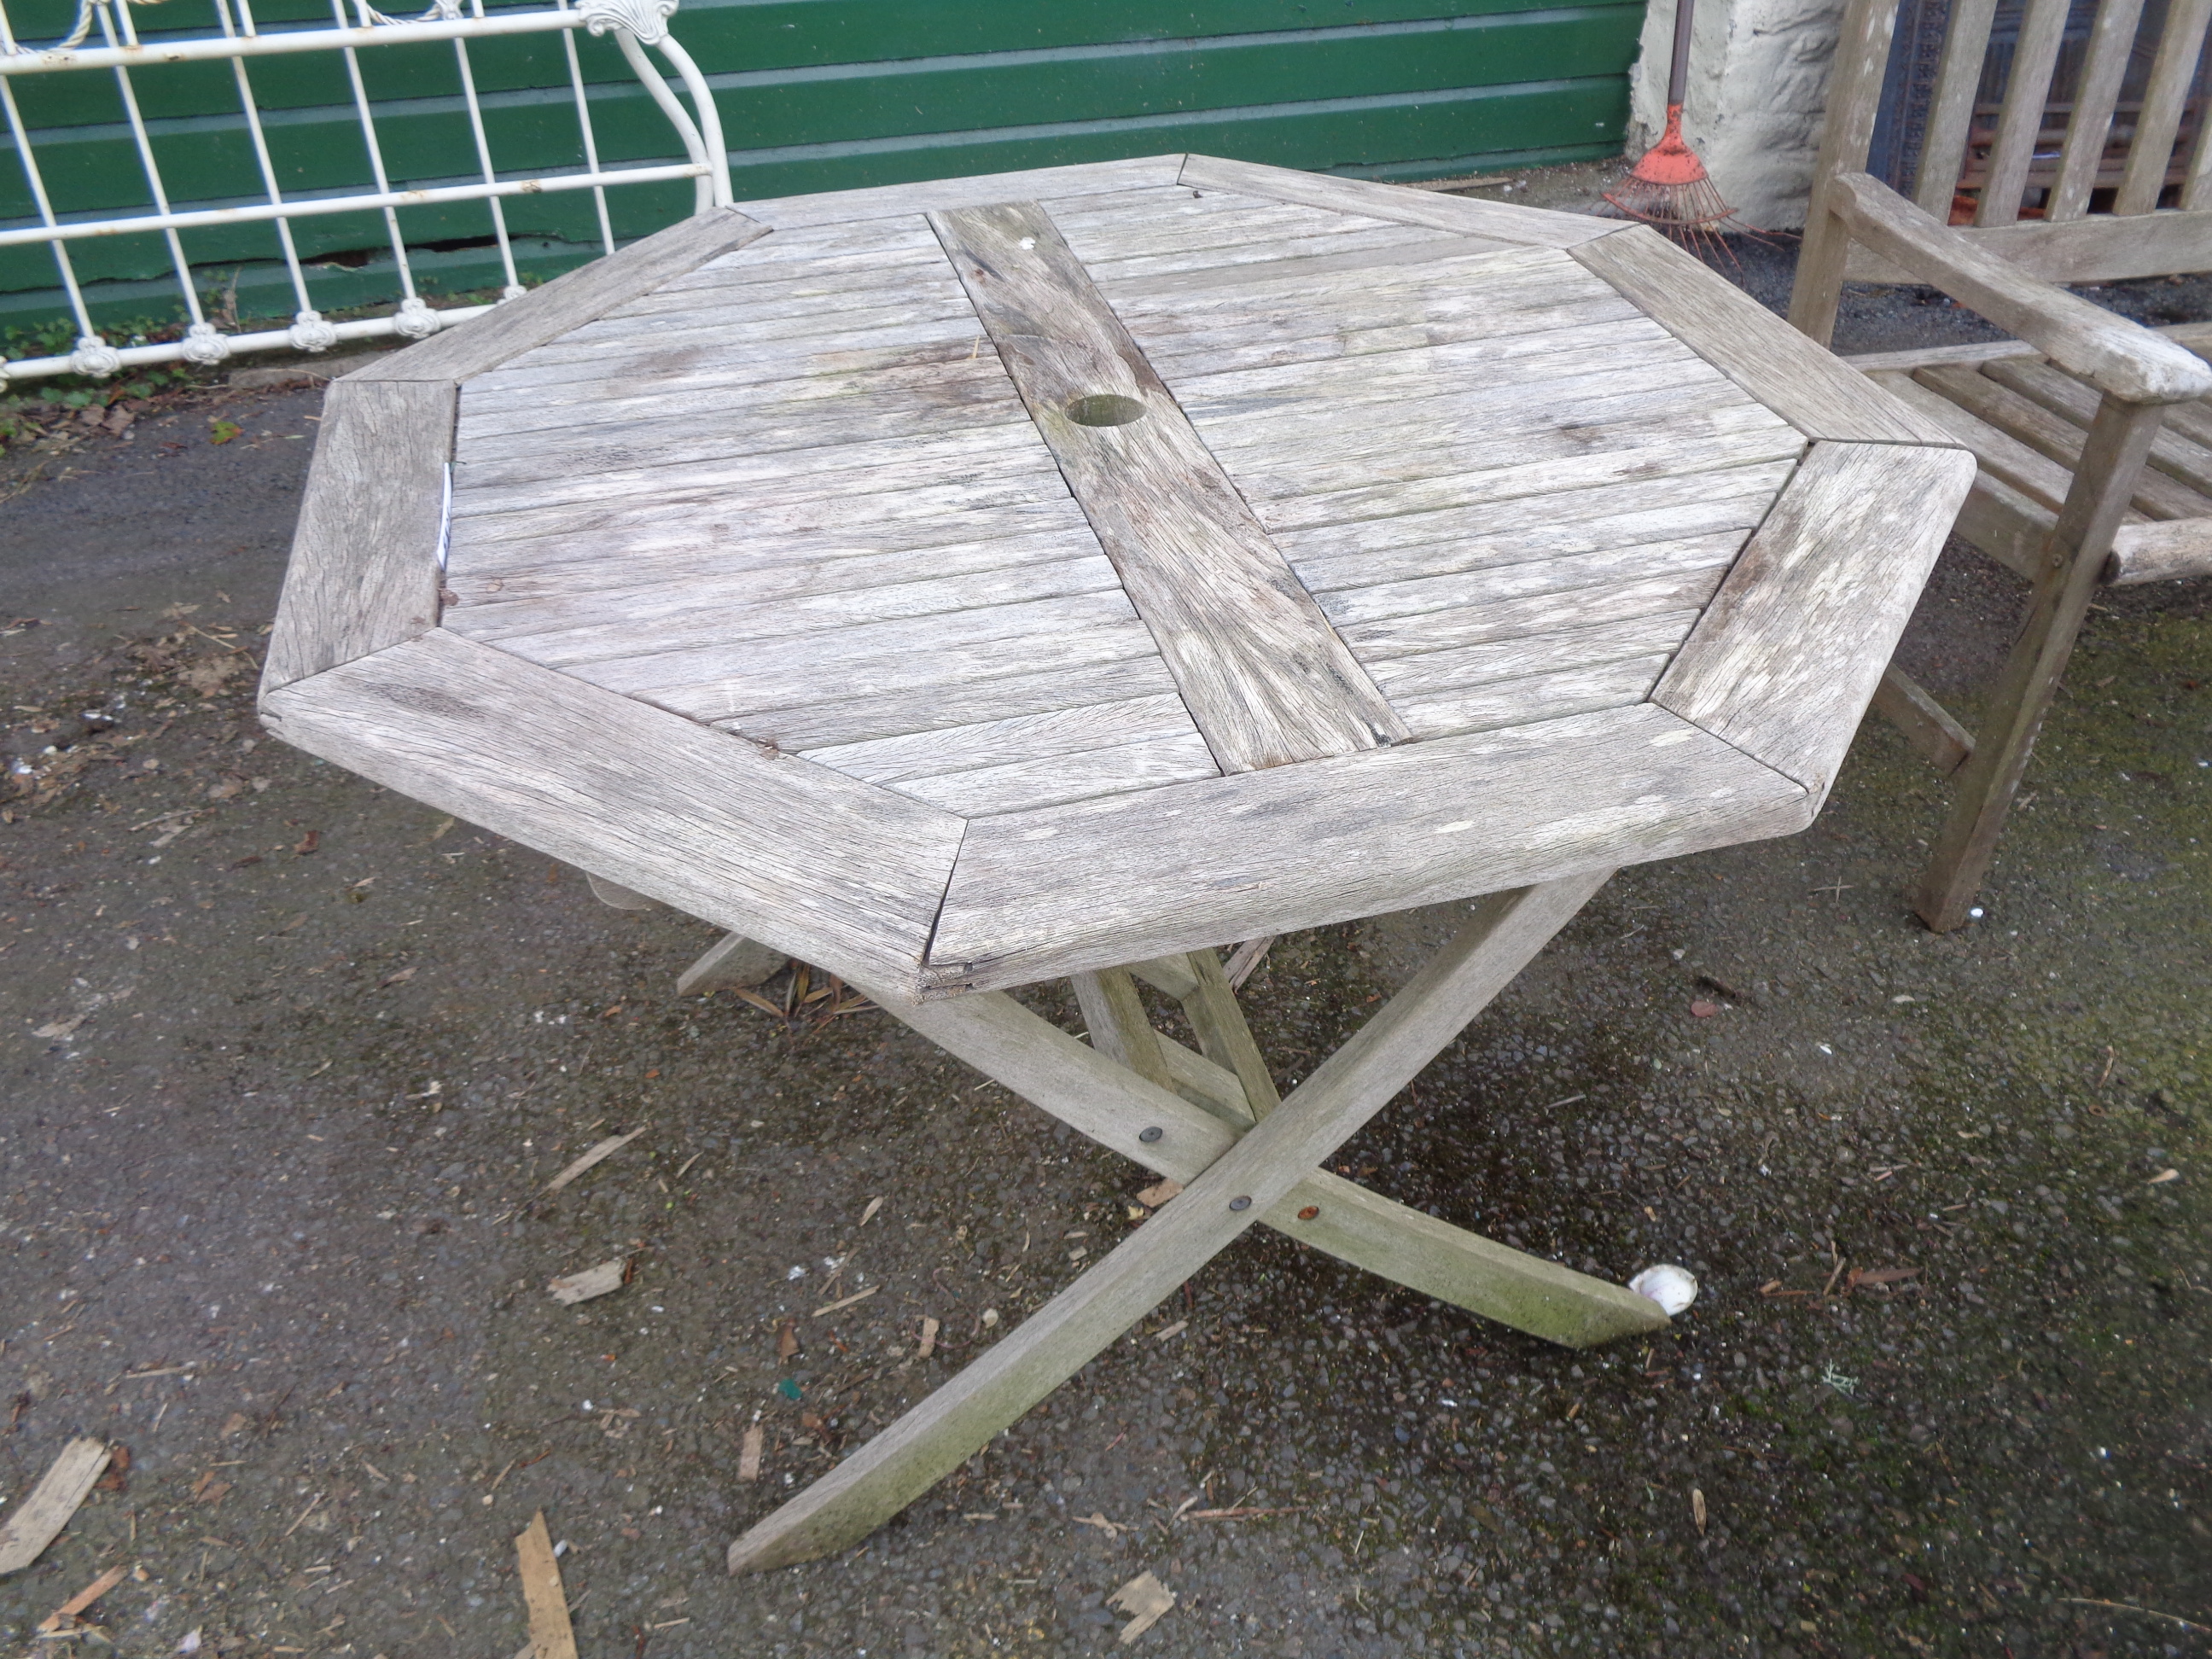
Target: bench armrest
(2119, 357)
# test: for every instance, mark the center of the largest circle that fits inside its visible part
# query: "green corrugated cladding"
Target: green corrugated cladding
(814, 94)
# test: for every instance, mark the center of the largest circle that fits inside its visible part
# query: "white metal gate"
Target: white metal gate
(120, 51)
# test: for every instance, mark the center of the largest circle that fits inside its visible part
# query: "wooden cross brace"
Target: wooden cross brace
(1212, 1124)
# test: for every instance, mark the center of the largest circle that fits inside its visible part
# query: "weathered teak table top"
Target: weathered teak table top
(963, 584)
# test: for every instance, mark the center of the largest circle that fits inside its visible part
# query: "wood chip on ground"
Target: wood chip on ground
(749, 1453)
(1145, 1600)
(593, 1281)
(550, 1635)
(38, 1519)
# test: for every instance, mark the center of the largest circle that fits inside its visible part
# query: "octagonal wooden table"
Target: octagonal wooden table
(1066, 573)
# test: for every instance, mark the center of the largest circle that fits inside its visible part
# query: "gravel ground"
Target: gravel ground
(289, 1060)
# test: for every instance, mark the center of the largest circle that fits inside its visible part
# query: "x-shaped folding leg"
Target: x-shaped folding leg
(1233, 1176)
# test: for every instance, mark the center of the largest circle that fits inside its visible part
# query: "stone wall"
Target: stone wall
(1758, 76)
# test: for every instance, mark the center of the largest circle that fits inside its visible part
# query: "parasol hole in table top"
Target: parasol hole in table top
(1106, 409)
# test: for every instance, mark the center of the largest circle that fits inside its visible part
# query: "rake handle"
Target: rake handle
(1678, 72)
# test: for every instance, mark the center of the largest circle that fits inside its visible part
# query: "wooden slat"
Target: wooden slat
(1128, 665)
(1785, 659)
(1205, 1085)
(1927, 725)
(2121, 356)
(1288, 402)
(1652, 448)
(364, 570)
(1950, 110)
(600, 626)
(994, 498)
(698, 819)
(894, 320)
(966, 402)
(1261, 1171)
(893, 337)
(488, 409)
(2160, 552)
(1855, 80)
(1775, 363)
(1465, 215)
(1304, 269)
(1579, 638)
(1466, 450)
(2179, 458)
(2151, 150)
(1869, 363)
(894, 472)
(729, 683)
(1223, 1035)
(1472, 283)
(1023, 785)
(1344, 236)
(1119, 1030)
(2099, 248)
(581, 386)
(1075, 729)
(2020, 118)
(554, 594)
(1499, 703)
(1403, 651)
(568, 302)
(2088, 126)
(806, 289)
(1263, 852)
(977, 190)
(1273, 337)
(1399, 618)
(1170, 976)
(1339, 560)
(2006, 524)
(2003, 457)
(2031, 424)
(1265, 678)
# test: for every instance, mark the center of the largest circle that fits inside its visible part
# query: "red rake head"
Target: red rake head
(1670, 161)
(1669, 187)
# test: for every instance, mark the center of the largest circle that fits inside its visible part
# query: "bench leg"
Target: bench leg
(1266, 1174)
(2119, 443)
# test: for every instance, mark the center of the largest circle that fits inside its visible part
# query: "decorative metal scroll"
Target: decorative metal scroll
(116, 49)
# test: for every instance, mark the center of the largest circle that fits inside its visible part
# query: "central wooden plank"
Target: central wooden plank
(1266, 678)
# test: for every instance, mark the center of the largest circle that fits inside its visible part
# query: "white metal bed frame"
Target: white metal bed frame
(634, 24)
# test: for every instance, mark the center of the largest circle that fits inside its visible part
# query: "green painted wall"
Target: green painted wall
(814, 94)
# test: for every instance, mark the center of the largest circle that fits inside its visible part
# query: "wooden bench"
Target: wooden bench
(2094, 434)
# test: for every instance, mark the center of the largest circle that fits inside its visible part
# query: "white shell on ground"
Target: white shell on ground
(1672, 1287)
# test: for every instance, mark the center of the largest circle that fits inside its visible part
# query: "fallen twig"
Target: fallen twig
(606, 1149)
